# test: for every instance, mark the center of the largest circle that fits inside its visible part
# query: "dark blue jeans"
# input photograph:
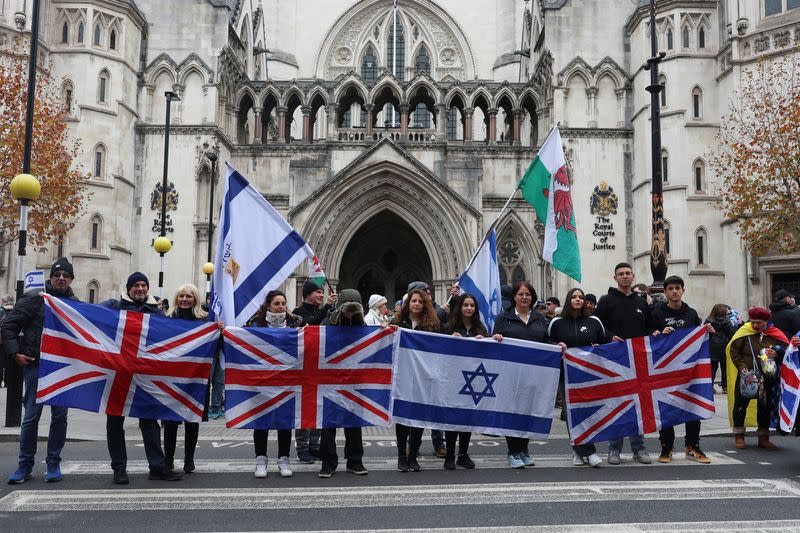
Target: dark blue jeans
(217, 385)
(29, 432)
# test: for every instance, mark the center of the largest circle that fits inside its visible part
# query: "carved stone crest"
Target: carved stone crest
(448, 56)
(155, 204)
(343, 55)
(604, 200)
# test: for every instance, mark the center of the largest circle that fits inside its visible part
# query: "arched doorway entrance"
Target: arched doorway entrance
(383, 257)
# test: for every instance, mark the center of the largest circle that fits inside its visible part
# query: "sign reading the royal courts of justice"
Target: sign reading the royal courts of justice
(603, 204)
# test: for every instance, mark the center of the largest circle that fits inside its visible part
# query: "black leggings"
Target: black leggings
(191, 431)
(517, 445)
(740, 409)
(463, 442)
(260, 437)
(408, 436)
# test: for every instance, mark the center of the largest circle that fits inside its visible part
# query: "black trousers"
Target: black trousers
(692, 438)
(450, 443)
(517, 445)
(740, 409)
(191, 432)
(408, 437)
(723, 368)
(151, 435)
(260, 437)
(353, 447)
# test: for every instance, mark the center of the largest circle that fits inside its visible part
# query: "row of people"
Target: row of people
(620, 314)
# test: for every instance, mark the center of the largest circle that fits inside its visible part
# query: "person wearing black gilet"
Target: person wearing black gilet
(576, 327)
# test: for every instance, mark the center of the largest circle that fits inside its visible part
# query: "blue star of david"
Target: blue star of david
(468, 388)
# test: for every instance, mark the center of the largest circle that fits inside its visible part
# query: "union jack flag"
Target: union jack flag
(124, 363)
(790, 388)
(315, 377)
(638, 386)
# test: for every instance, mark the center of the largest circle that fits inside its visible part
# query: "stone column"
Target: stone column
(564, 112)
(175, 111)
(441, 122)
(591, 94)
(257, 133)
(306, 110)
(468, 124)
(404, 121)
(492, 137)
(282, 124)
(333, 128)
(370, 109)
(518, 114)
(620, 107)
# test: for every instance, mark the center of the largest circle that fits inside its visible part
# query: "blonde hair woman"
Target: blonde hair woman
(187, 304)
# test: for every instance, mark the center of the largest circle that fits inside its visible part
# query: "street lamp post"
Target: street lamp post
(162, 244)
(24, 187)
(208, 268)
(658, 252)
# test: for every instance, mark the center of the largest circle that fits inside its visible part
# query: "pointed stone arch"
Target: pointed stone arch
(512, 230)
(345, 83)
(293, 90)
(477, 93)
(387, 80)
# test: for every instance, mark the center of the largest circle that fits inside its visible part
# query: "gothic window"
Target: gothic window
(423, 62)
(369, 66)
(662, 80)
(97, 228)
(701, 38)
(670, 40)
(667, 231)
(65, 33)
(93, 292)
(59, 247)
(511, 269)
(102, 86)
(699, 176)
(80, 33)
(697, 102)
(99, 162)
(452, 124)
(664, 166)
(396, 50)
(112, 40)
(792, 4)
(67, 92)
(97, 39)
(772, 7)
(686, 37)
(701, 242)
(422, 119)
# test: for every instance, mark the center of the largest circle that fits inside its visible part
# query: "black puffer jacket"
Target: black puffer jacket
(27, 318)
(509, 325)
(311, 314)
(786, 318)
(580, 331)
(148, 307)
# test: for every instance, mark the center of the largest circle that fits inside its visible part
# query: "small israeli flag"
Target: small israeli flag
(34, 280)
(482, 280)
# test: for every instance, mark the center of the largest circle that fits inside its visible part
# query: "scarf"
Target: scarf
(275, 320)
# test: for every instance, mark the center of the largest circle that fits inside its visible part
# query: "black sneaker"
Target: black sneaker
(464, 461)
(167, 475)
(413, 465)
(402, 463)
(188, 465)
(169, 464)
(120, 477)
(449, 464)
(326, 471)
(358, 469)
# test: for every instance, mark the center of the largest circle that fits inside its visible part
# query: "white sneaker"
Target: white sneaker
(283, 466)
(261, 466)
(594, 460)
(577, 460)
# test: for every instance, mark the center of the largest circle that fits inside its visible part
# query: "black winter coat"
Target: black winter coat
(509, 325)
(464, 332)
(148, 307)
(718, 341)
(663, 316)
(581, 331)
(626, 316)
(27, 318)
(311, 314)
(786, 318)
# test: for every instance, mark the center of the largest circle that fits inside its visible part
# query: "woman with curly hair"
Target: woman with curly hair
(273, 314)
(418, 314)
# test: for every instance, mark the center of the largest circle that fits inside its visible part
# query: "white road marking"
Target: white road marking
(764, 463)
(396, 496)
(482, 461)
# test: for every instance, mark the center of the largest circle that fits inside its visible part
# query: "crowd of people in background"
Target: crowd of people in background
(754, 347)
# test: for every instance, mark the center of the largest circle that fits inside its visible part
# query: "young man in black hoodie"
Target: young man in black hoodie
(668, 317)
(625, 315)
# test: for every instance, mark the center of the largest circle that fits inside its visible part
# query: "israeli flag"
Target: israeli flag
(485, 386)
(482, 280)
(34, 280)
(256, 251)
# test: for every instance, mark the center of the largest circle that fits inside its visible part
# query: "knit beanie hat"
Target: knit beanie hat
(309, 287)
(781, 294)
(376, 300)
(136, 277)
(63, 265)
(348, 296)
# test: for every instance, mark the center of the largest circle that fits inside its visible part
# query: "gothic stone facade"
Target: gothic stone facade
(392, 144)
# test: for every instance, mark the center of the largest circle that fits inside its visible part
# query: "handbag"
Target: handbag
(750, 380)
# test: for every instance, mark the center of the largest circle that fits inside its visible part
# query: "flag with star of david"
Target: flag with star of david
(478, 385)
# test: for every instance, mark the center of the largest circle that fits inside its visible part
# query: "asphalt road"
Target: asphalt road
(748, 490)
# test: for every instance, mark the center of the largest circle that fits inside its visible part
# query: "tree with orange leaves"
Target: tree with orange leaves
(64, 193)
(758, 158)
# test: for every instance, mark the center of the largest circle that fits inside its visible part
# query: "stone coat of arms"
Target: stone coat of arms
(604, 200)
